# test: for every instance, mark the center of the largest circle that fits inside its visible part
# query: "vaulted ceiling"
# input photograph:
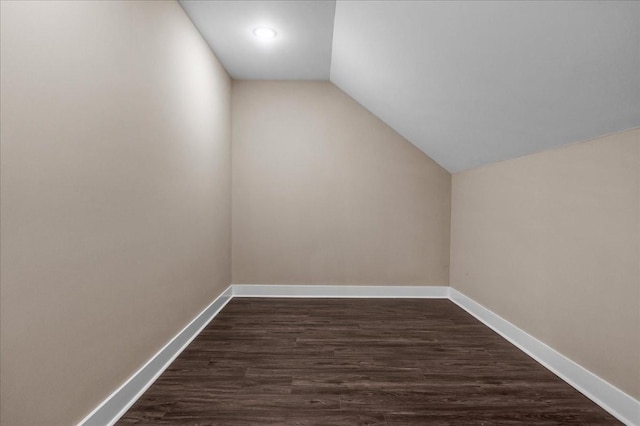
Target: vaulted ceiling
(469, 83)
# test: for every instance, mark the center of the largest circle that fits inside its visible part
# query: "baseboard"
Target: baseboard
(116, 404)
(340, 291)
(622, 406)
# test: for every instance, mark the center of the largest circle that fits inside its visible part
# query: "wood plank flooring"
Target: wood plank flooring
(356, 362)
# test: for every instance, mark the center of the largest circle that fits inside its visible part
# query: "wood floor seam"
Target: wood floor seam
(356, 362)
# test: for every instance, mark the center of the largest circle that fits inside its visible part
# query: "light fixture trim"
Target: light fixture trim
(265, 33)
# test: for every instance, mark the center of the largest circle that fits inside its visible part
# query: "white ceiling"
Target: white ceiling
(301, 50)
(469, 83)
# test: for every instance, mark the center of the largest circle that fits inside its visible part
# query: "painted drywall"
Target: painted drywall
(550, 242)
(115, 196)
(326, 193)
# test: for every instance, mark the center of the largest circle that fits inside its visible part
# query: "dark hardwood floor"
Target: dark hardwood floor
(356, 362)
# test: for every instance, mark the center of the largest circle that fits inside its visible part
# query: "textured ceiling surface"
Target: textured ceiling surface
(300, 51)
(469, 83)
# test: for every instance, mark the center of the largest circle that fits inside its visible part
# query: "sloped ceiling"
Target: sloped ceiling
(469, 83)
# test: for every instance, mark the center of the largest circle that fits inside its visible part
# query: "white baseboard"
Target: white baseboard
(622, 406)
(116, 404)
(619, 404)
(340, 291)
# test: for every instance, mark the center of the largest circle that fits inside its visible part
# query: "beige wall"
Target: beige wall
(116, 207)
(551, 242)
(115, 196)
(325, 193)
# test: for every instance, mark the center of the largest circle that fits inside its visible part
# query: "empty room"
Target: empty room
(316, 212)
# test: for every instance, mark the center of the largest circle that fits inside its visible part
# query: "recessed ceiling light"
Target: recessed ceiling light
(264, 33)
